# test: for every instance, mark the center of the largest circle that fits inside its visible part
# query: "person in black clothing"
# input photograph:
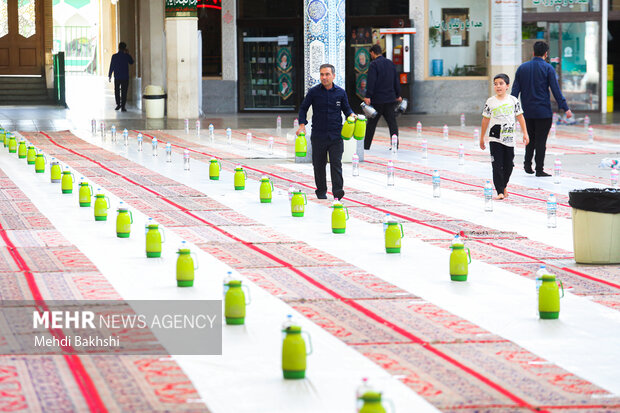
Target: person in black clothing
(328, 101)
(533, 80)
(382, 92)
(119, 65)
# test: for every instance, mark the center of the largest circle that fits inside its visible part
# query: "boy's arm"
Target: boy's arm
(483, 131)
(521, 120)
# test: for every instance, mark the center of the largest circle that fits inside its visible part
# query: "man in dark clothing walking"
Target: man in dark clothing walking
(328, 101)
(382, 92)
(533, 80)
(119, 65)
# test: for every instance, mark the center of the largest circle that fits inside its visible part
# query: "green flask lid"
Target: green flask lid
(371, 396)
(183, 251)
(548, 277)
(457, 246)
(234, 283)
(293, 330)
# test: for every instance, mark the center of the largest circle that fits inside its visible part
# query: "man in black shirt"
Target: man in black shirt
(382, 92)
(328, 101)
(119, 65)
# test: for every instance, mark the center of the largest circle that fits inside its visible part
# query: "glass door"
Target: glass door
(269, 76)
(574, 53)
(579, 64)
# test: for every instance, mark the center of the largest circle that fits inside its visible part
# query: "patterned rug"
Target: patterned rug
(372, 316)
(61, 272)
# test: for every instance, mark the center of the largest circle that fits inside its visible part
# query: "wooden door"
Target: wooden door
(21, 37)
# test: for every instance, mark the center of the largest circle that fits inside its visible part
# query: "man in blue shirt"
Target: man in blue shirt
(119, 65)
(328, 102)
(382, 93)
(533, 80)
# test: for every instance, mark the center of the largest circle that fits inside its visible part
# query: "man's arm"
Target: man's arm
(303, 111)
(370, 82)
(345, 107)
(396, 82)
(130, 58)
(552, 80)
(111, 68)
(516, 86)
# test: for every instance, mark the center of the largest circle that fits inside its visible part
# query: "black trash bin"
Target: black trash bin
(596, 225)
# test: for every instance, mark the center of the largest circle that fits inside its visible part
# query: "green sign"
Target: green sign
(181, 8)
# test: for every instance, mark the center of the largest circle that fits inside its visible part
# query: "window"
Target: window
(550, 6)
(210, 24)
(257, 9)
(457, 38)
(377, 7)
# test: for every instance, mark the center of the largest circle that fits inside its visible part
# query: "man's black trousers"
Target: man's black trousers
(120, 91)
(320, 148)
(386, 110)
(537, 129)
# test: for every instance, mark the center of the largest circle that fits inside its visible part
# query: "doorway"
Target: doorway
(21, 37)
(574, 52)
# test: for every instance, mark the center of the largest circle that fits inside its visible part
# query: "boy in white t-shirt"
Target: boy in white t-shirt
(501, 112)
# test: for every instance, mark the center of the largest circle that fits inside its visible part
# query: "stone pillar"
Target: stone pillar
(504, 40)
(182, 58)
(324, 39)
(324, 42)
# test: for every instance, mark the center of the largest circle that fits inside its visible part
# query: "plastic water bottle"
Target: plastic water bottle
(552, 131)
(229, 135)
(614, 178)
(555, 118)
(211, 132)
(296, 124)
(355, 162)
(386, 219)
(390, 173)
(291, 189)
(248, 138)
(418, 129)
(140, 138)
(113, 133)
(552, 207)
(186, 160)
(488, 197)
(154, 144)
(125, 137)
(446, 132)
(557, 171)
(197, 127)
(436, 184)
(186, 125)
(93, 127)
(462, 120)
(590, 135)
(279, 126)
(518, 128)
(476, 136)
(288, 321)
(394, 147)
(424, 149)
(586, 122)
(461, 154)
(168, 152)
(270, 145)
(362, 389)
(102, 129)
